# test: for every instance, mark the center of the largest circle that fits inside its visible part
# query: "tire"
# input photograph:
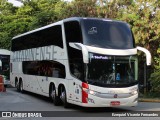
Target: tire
(21, 87)
(55, 99)
(63, 97)
(17, 86)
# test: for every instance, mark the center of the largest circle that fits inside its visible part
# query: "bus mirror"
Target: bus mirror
(80, 46)
(148, 55)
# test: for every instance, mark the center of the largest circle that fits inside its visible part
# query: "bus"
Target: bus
(4, 66)
(89, 62)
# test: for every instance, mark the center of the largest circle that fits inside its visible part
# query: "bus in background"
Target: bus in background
(89, 62)
(4, 66)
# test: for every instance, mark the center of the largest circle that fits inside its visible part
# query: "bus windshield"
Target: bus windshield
(4, 66)
(107, 34)
(109, 71)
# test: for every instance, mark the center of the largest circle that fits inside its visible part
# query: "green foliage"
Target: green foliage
(155, 76)
(81, 8)
(155, 81)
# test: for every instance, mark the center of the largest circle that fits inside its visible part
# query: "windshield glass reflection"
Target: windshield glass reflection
(111, 70)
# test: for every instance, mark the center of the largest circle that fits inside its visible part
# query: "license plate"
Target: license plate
(115, 103)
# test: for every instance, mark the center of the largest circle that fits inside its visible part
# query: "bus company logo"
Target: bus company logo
(92, 30)
(6, 114)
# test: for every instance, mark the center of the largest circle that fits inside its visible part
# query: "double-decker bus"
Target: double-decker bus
(4, 65)
(89, 62)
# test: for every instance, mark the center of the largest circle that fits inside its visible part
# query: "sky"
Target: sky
(16, 3)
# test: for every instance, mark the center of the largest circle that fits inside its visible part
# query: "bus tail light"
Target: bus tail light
(85, 92)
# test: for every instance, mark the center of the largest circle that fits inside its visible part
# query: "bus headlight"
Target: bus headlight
(134, 92)
(89, 91)
(92, 92)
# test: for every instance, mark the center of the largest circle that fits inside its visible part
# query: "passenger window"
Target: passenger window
(44, 68)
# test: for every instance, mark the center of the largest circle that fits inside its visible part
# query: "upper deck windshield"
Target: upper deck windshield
(107, 34)
(102, 70)
(111, 71)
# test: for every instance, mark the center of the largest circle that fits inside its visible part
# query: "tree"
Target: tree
(81, 8)
(142, 16)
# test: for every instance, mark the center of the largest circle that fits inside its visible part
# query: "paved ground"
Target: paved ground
(15, 101)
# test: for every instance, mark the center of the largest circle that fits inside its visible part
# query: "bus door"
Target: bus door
(77, 90)
(75, 82)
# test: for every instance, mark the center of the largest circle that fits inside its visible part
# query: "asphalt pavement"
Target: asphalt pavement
(13, 101)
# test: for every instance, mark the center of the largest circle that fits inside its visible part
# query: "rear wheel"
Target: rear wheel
(17, 86)
(54, 97)
(21, 86)
(63, 97)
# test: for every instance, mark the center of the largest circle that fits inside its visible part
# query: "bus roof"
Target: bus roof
(4, 52)
(60, 22)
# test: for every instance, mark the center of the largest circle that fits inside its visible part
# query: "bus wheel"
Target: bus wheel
(63, 97)
(53, 95)
(17, 86)
(21, 86)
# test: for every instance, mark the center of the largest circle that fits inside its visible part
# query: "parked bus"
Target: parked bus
(4, 65)
(88, 62)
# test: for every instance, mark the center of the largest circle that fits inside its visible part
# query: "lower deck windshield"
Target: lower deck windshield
(109, 71)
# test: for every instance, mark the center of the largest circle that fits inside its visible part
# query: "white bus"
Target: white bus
(4, 65)
(89, 62)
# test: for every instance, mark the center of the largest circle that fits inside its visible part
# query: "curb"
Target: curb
(149, 100)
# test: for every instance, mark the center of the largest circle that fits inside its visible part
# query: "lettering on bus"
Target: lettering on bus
(40, 53)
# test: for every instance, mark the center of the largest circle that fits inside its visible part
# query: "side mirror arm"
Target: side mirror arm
(80, 46)
(148, 54)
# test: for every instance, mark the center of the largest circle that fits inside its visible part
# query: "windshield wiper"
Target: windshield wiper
(92, 82)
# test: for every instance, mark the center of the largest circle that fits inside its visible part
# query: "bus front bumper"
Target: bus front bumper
(114, 102)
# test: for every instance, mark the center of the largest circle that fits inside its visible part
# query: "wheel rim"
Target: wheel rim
(16, 84)
(63, 96)
(21, 87)
(53, 94)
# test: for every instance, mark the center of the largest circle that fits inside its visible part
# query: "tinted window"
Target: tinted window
(112, 71)
(45, 37)
(44, 68)
(4, 69)
(73, 31)
(107, 34)
(73, 34)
